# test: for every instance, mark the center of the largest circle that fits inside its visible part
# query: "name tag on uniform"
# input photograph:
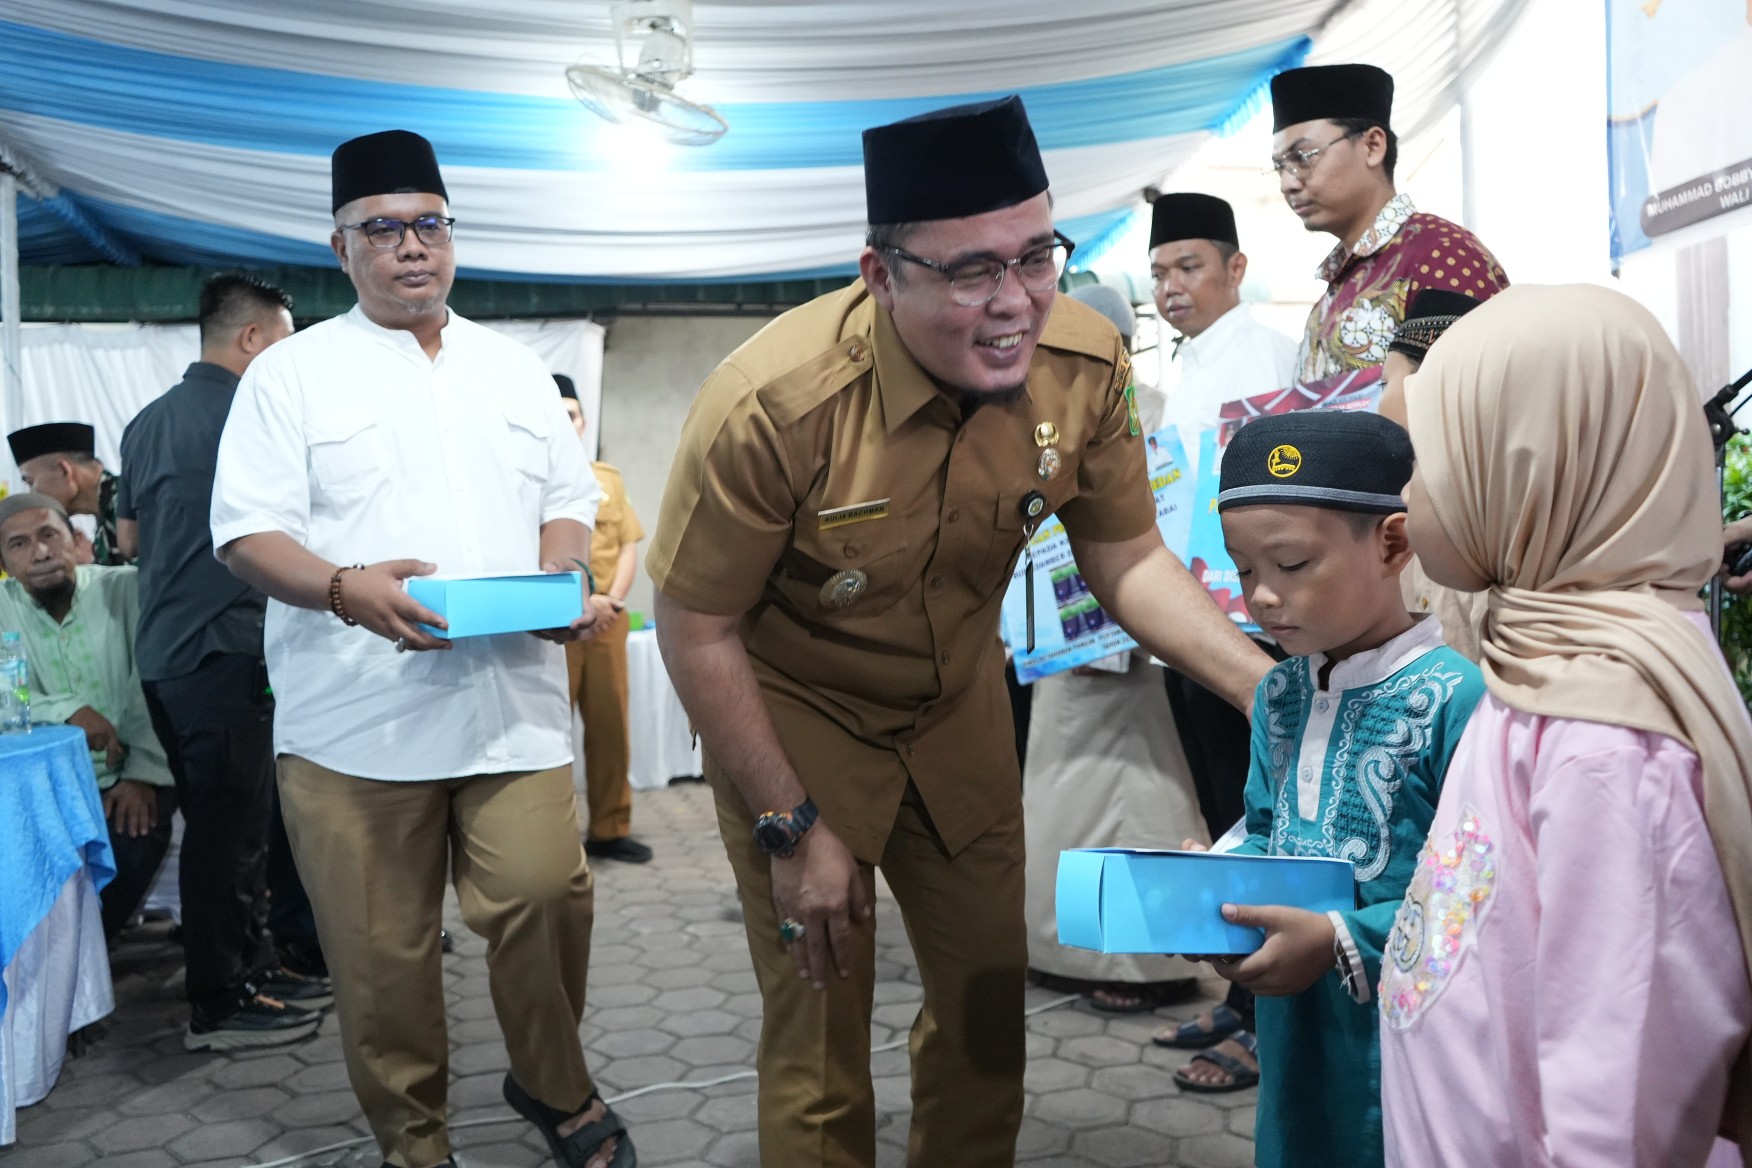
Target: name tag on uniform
(857, 513)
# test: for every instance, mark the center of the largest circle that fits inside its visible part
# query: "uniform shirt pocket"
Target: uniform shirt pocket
(852, 571)
(525, 446)
(347, 456)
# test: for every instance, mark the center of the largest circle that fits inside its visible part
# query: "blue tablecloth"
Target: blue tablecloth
(51, 823)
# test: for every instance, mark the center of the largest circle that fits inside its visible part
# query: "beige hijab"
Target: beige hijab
(1567, 459)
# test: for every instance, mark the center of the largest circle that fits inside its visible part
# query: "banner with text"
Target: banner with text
(1678, 136)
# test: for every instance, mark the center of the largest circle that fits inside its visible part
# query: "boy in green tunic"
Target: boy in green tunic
(1351, 738)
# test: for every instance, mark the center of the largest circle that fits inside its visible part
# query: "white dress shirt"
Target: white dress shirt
(1235, 357)
(347, 438)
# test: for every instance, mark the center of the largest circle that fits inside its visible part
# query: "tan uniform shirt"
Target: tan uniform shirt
(616, 526)
(826, 409)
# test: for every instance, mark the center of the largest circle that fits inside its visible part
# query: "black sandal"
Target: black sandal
(575, 1150)
(1241, 1076)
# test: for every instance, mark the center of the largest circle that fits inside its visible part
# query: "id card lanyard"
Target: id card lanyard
(1032, 507)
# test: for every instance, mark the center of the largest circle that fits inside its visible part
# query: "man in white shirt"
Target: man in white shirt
(402, 440)
(1197, 265)
(1223, 354)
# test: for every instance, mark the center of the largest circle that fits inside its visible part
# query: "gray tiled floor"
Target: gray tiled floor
(672, 997)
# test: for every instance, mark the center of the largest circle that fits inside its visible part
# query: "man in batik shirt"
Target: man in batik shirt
(1334, 152)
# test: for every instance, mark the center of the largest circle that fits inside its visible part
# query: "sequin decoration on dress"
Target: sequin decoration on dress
(1447, 900)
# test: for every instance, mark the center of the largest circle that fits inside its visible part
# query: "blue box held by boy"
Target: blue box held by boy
(1131, 900)
(480, 606)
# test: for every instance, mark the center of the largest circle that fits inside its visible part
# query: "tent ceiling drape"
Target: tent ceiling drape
(198, 132)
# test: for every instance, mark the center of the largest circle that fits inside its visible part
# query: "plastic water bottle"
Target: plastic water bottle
(14, 685)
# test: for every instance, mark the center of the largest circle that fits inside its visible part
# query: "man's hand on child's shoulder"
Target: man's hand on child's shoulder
(1296, 954)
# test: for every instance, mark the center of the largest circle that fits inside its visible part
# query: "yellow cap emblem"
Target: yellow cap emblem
(1283, 461)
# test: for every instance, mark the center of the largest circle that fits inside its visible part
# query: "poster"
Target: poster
(1070, 628)
(1679, 140)
(1207, 556)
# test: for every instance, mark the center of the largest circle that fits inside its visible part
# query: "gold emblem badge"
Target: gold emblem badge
(843, 589)
(1283, 461)
(1046, 434)
(1049, 463)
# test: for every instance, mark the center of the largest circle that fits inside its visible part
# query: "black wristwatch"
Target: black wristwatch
(777, 832)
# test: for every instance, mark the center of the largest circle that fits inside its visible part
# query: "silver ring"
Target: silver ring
(790, 930)
(401, 644)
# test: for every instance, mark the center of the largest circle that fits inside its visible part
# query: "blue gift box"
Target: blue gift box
(479, 606)
(1127, 900)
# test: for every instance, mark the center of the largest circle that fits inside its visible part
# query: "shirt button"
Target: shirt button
(855, 351)
(1307, 773)
(1322, 705)
(851, 550)
(909, 748)
(937, 581)
(945, 656)
(954, 514)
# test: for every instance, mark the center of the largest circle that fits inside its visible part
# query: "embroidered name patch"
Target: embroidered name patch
(855, 513)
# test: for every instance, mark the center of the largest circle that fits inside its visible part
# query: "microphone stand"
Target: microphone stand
(1722, 429)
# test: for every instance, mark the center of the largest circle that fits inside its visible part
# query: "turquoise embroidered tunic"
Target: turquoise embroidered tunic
(1350, 772)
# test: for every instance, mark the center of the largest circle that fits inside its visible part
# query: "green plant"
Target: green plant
(1737, 610)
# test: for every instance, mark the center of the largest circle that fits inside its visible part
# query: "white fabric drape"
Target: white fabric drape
(104, 374)
(58, 982)
(846, 50)
(640, 223)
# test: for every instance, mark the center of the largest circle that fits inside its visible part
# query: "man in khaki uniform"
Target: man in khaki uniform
(597, 669)
(850, 493)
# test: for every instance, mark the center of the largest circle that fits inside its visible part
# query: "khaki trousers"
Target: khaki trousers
(964, 918)
(598, 669)
(374, 856)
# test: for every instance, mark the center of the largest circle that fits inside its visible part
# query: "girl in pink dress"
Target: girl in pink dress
(1566, 983)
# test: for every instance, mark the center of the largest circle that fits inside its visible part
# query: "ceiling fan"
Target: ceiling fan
(658, 35)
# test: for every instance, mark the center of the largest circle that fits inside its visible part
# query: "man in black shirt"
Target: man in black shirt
(199, 650)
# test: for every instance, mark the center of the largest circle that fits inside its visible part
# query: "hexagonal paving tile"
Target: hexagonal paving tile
(714, 1050)
(237, 1137)
(1099, 1050)
(140, 1132)
(621, 1043)
(1124, 1147)
(1134, 1082)
(1054, 1074)
(1079, 1108)
(1179, 1115)
(697, 1023)
(1220, 1151)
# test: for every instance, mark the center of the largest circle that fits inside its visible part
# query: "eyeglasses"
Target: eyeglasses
(432, 230)
(978, 281)
(1300, 162)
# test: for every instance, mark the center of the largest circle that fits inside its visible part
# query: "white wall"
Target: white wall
(652, 367)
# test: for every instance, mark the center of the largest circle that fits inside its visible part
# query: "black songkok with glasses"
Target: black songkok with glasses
(952, 163)
(1188, 215)
(1342, 460)
(1331, 92)
(393, 162)
(1427, 317)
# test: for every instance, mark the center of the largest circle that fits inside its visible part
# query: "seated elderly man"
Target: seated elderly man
(78, 629)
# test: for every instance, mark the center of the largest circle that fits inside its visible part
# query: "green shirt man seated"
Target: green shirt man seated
(77, 623)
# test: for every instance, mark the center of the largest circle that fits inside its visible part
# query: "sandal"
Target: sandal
(575, 1150)
(1120, 997)
(1241, 1076)
(1191, 1036)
